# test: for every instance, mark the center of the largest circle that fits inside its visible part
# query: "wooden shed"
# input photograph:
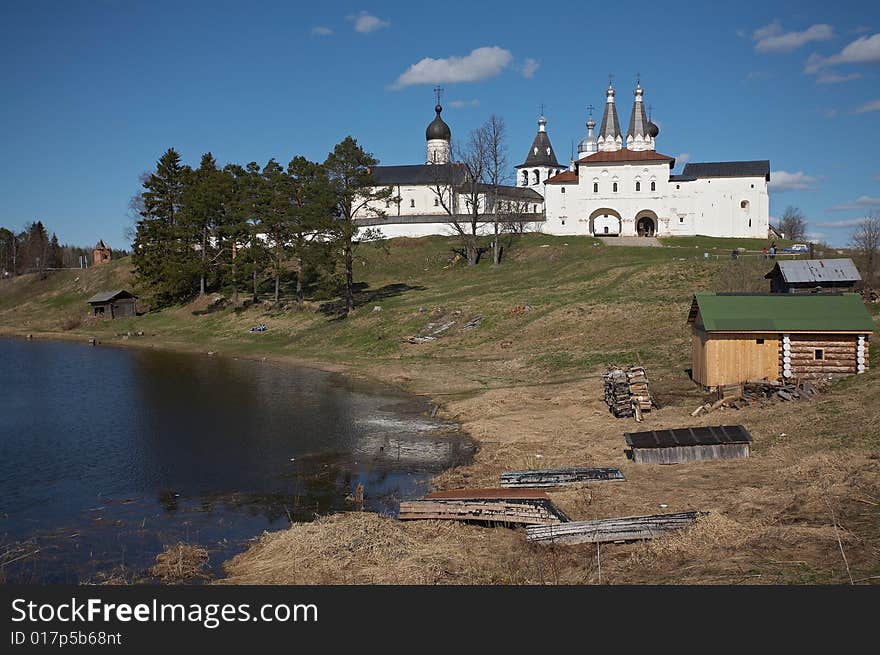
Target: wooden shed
(741, 337)
(813, 276)
(114, 304)
(688, 444)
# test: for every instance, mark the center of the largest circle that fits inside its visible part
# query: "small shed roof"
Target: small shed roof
(757, 168)
(798, 271)
(707, 436)
(781, 312)
(107, 296)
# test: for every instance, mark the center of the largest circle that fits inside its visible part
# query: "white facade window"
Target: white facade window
(537, 176)
(563, 190)
(525, 178)
(744, 205)
(436, 202)
(614, 187)
(595, 187)
(638, 186)
(653, 185)
(412, 202)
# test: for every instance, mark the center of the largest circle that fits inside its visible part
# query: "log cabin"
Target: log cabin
(114, 304)
(738, 337)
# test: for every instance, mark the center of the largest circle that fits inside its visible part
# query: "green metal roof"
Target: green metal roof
(783, 312)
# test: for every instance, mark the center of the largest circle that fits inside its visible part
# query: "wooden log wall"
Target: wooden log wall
(840, 354)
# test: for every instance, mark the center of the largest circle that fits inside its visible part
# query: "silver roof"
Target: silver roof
(105, 296)
(638, 121)
(610, 128)
(818, 270)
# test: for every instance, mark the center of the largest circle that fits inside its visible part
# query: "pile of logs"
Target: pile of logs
(738, 396)
(492, 506)
(559, 477)
(626, 391)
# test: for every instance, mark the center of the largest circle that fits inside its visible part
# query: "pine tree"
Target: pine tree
(349, 170)
(202, 206)
(55, 260)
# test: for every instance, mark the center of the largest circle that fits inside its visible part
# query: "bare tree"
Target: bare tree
(865, 239)
(495, 175)
(793, 224)
(468, 188)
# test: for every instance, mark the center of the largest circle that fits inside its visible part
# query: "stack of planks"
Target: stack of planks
(626, 391)
(494, 506)
(558, 477)
(611, 530)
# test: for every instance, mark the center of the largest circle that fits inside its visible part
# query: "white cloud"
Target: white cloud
(862, 202)
(366, 23)
(458, 104)
(529, 68)
(320, 30)
(785, 181)
(480, 64)
(834, 78)
(816, 236)
(771, 38)
(874, 105)
(829, 113)
(682, 158)
(865, 50)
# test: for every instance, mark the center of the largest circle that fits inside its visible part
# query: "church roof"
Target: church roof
(541, 153)
(638, 120)
(563, 177)
(437, 128)
(625, 155)
(757, 168)
(415, 174)
(610, 128)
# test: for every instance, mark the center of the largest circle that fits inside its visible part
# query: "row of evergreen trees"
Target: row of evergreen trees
(240, 228)
(33, 250)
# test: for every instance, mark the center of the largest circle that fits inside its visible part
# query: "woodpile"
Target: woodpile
(626, 391)
(738, 396)
(629, 528)
(558, 477)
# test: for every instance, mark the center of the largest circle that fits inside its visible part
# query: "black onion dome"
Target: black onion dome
(438, 129)
(653, 130)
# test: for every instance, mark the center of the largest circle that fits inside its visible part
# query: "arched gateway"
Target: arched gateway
(646, 223)
(605, 222)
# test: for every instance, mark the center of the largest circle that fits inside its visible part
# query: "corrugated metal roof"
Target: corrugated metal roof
(705, 436)
(797, 271)
(106, 296)
(758, 168)
(783, 312)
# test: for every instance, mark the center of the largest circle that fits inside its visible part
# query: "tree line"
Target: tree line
(34, 250)
(243, 227)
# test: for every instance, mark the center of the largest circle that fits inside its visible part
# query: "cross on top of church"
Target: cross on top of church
(638, 79)
(610, 79)
(590, 109)
(438, 91)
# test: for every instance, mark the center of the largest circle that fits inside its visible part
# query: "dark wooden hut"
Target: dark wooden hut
(689, 444)
(813, 276)
(114, 304)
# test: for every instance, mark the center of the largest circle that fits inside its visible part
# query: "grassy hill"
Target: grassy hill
(525, 382)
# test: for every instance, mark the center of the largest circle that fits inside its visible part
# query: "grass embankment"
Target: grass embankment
(526, 384)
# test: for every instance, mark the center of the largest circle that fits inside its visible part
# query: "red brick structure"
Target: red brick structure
(101, 254)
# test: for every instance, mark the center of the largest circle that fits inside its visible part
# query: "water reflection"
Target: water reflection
(108, 454)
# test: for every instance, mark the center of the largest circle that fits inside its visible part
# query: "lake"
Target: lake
(109, 454)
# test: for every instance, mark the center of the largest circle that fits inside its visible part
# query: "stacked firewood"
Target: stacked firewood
(626, 391)
(738, 396)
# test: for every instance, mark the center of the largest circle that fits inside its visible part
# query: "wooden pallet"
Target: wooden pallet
(629, 528)
(540, 512)
(561, 476)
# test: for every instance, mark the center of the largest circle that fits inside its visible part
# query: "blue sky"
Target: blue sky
(95, 91)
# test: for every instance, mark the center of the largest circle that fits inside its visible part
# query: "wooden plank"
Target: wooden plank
(561, 476)
(629, 528)
(541, 512)
(490, 493)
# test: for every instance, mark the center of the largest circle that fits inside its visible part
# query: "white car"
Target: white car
(798, 247)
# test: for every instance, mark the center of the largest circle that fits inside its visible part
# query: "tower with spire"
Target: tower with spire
(540, 162)
(610, 138)
(641, 132)
(589, 146)
(438, 136)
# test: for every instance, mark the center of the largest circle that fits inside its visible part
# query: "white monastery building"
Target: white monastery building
(619, 186)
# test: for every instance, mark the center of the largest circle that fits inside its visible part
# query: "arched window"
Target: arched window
(638, 186)
(563, 190)
(614, 187)
(744, 205)
(436, 202)
(595, 187)
(525, 180)
(653, 185)
(537, 177)
(412, 202)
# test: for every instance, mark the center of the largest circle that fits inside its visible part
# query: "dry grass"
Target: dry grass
(181, 563)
